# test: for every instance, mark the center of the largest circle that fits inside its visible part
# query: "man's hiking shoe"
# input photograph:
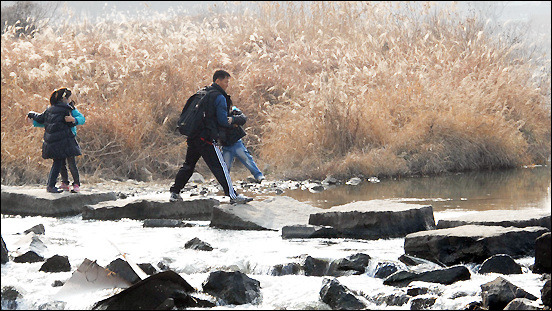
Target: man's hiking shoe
(76, 188)
(64, 186)
(53, 190)
(260, 179)
(175, 197)
(240, 199)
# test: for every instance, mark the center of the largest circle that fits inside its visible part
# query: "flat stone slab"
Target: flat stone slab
(34, 201)
(152, 206)
(376, 219)
(506, 218)
(472, 243)
(270, 214)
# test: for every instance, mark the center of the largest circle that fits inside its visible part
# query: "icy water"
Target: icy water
(256, 252)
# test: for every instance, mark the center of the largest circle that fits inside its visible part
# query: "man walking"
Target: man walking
(203, 143)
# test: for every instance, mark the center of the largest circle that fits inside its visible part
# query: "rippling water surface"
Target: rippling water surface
(472, 191)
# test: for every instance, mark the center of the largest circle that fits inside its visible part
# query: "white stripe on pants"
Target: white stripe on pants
(231, 191)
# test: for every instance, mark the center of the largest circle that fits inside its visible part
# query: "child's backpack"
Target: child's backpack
(193, 113)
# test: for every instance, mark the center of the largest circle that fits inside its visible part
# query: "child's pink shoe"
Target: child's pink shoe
(76, 188)
(64, 187)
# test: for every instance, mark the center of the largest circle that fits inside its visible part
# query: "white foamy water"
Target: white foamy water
(256, 252)
(251, 252)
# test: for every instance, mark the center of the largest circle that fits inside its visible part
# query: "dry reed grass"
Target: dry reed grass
(341, 88)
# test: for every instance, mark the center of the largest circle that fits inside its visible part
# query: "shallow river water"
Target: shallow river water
(473, 191)
(256, 252)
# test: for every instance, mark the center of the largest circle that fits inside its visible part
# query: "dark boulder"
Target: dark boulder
(498, 293)
(422, 303)
(161, 291)
(385, 269)
(163, 265)
(352, 265)
(339, 297)
(390, 299)
(500, 263)
(56, 263)
(197, 244)
(5, 257)
(287, 269)
(400, 278)
(443, 276)
(123, 270)
(446, 276)
(234, 288)
(148, 268)
(412, 260)
(38, 229)
(315, 266)
(416, 291)
(10, 295)
(459, 294)
(543, 259)
(474, 305)
(29, 256)
(357, 262)
(545, 294)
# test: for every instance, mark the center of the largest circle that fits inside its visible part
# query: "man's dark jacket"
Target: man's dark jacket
(210, 129)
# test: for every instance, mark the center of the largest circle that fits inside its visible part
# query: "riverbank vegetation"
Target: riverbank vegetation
(329, 88)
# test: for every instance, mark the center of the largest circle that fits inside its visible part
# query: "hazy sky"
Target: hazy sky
(536, 12)
(524, 10)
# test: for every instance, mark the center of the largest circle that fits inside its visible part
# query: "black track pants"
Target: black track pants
(212, 155)
(72, 163)
(54, 172)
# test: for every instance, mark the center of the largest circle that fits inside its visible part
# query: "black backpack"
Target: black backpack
(193, 113)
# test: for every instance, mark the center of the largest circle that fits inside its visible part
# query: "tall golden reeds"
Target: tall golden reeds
(341, 88)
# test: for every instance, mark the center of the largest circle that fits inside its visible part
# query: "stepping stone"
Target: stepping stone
(270, 214)
(472, 243)
(376, 219)
(508, 218)
(152, 206)
(29, 201)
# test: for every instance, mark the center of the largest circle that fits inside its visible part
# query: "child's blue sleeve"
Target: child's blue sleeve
(36, 124)
(79, 117)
